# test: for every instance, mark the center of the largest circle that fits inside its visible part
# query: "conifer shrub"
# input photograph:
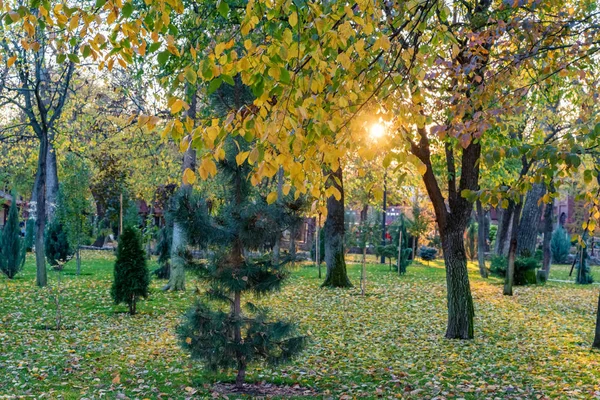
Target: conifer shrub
(584, 273)
(12, 249)
(560, 245)
(56, 245)
(525, 269)
(131, 275)
(427, 253)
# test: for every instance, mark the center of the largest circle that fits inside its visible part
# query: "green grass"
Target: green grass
(386, 344)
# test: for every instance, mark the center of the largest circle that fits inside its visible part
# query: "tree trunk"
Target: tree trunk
(481, 240)
(337, 275)
(293, 233)
(179, 241)
(460, 301)
(51, 182)
(530, 221)
(548, 229)
(277, 244)
(486, 230)
(78, 259)
(596, 343)
(503, 229)
(40, 222)
(512, 251)
(363, 271)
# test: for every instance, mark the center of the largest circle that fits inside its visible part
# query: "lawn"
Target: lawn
(386, 344)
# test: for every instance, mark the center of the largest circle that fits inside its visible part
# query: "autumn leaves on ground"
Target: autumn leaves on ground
(385, 344)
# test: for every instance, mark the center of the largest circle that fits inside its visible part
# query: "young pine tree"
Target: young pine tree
(560, 245)
(400, 233)
(11, 244)
(222, 330)
(57, 247)
(131, 276)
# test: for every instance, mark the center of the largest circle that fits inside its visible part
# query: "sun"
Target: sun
(377, 130)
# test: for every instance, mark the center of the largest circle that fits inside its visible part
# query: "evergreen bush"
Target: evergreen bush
(12, 249)
(131, 276)
(525, 269)
(560, 245)
(584, 273)
(427, 253)
(57, 247)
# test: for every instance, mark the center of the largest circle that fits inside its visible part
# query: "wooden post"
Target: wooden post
(400, 248)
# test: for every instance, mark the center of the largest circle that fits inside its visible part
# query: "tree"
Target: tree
(246, 221)
(400, 239)
(560, 245)
(74, 206)
(131, 276)
(481, 240)
(584, 275)
(333, 232)
(12, 246)
(57, 247)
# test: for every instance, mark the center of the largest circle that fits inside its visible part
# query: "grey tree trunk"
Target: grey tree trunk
(179, 241)
(460, 301)
(502, 236)
(481, 240)
(333, 230)
(51, 182)
(277, 244)
(78, 259)
(530, 221)
(40, 221)
(512, 252)
(546, 248)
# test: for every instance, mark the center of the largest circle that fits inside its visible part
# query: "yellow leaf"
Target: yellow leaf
(117, 379)
(189, 177)
(11, 61)
(293, 19)
(271, 197)
(241, 157)
(188, 340)
(178, 105)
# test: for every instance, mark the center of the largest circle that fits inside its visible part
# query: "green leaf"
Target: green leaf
(87, 51)
(100, 3)
(163, 57)
(153, 47)
(228, 79)
(223, 8)
(284, 76)
(214, 85)
(74, 58)
(61, 58)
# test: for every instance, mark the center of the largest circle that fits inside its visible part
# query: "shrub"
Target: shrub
(525, 269)
(131, 276)
(29, 234)
(427, 253)
(560, 244)
(12, 252)
(57, 248)
(584, 274)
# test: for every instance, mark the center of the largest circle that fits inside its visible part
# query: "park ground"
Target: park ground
(387, 344)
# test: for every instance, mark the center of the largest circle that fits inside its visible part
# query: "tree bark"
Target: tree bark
(504, 229)
(512, 252)
(51, 182)
(277, 244)
(337, 275)
(548, 229)
(481, 240)
(530, 221)
(40, 221)
(78, 259)
(596, 343)
(179, 241)
(460, 301)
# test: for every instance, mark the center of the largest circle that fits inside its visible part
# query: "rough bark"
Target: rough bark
(548, 229)
(40, 221)
(596, 343)
(530, 221)
(500, 247)
(333, 230)
(512, 252)
(481, 240)
(460, 301)
(78, 259)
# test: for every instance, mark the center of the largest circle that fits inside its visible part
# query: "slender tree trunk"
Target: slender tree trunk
(530, 218)
(293, 233)
(547, 249)
(512, 251)
(277, 244)
(481, 240)
(503, 229)
(337, 275)
(40, 222)
(318, 245)
(460, 301)
(596, 343)
(78, 259)
(363, 271)
(486, 230)
(51, 182)
(179, 241)
(400, 249)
